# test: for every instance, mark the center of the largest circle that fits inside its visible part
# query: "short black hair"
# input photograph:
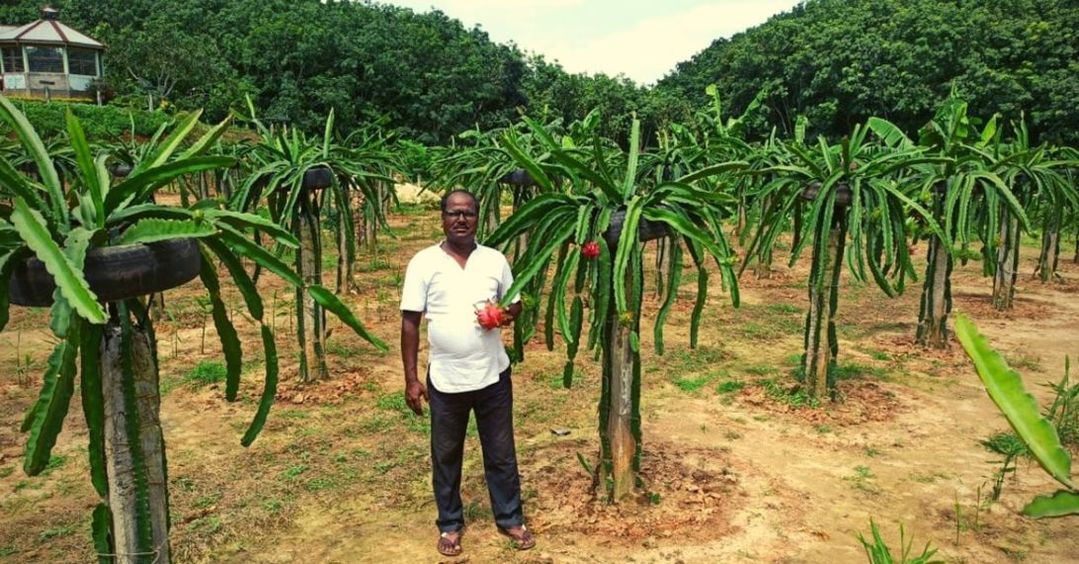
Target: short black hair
(446, 198)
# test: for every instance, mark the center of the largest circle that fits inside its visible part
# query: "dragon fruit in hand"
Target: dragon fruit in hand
(490, 316)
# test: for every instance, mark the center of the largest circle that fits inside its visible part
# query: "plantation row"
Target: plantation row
(583, 208)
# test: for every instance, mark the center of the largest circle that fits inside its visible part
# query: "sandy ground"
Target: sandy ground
(734, 474)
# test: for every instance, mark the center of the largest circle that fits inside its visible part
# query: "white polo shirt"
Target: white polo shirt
(463, 356)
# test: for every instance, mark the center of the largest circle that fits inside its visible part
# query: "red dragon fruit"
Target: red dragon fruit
(590, 250)
(490, 316)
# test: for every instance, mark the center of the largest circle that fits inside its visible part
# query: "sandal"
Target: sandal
(450, 546)
(520, 536)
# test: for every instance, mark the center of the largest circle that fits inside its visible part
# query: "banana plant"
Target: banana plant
(1005, 388)
(590, 230)
(284, 163)
(109, 347)
(852, 196)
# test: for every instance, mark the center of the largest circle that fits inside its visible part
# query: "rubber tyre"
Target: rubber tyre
(114, 273)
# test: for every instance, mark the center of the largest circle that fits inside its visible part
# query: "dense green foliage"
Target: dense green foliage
(429, 77)
(840, 61)
(424, 74)
(99, 122)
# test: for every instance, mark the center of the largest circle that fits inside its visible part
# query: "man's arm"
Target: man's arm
(415, 391)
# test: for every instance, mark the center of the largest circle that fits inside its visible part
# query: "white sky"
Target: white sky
(642, 39)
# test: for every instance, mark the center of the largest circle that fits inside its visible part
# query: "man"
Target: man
(468, 369)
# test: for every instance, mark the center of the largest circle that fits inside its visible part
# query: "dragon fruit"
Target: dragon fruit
(490, 316)
(590, 250)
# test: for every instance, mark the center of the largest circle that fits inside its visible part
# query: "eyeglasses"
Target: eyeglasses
(462, 214)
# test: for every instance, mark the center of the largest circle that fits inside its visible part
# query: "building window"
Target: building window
(45, 59)
(12, 59)
(81, 61)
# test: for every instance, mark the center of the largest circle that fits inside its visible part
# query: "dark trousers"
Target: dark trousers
(494, 420)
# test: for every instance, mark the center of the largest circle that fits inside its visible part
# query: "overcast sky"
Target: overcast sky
(642, 39)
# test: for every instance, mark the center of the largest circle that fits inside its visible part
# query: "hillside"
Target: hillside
(841, 61)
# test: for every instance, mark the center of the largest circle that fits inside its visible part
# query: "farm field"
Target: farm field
(736, 468)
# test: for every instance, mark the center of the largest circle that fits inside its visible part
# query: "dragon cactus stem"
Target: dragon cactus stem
(134, 446)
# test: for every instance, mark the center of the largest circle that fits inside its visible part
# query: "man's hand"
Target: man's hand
(415, 395)
(510, 313)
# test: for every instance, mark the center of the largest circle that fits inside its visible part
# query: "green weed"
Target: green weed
(207, 500)
(693, 384)
(795, 397)
(61, 531)
(208, 525)
(783, 308)
(273, 505)
(292, 472)
(206, 372)
(878, 552)
(863, 479)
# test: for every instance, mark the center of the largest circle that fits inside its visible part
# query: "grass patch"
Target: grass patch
(207, 501)
(55, 532)
(795, 397)
(395, 402)
(206, 372)
(320, 483)
(691, 385)
(852, 371)
(760, 370)
(273, 505)
(7, 471)
(879, 355)
(863, 479)
(783, 308)
(730, 386)
(375, 264)
(696, 360)
(292, 472)
(207, 525)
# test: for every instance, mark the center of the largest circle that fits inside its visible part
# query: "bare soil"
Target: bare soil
(736, 466)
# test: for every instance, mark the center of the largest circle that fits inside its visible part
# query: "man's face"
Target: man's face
(459, 219)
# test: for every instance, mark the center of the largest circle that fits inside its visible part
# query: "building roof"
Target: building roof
(47, 32)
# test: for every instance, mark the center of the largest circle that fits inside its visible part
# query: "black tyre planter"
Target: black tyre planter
(647, 230)
(317, 178)
(519, 177)
(120, 170)
(842, 193)
(114, 273)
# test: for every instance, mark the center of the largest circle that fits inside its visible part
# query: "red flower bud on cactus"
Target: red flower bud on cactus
(490, 316)
(590, 250)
